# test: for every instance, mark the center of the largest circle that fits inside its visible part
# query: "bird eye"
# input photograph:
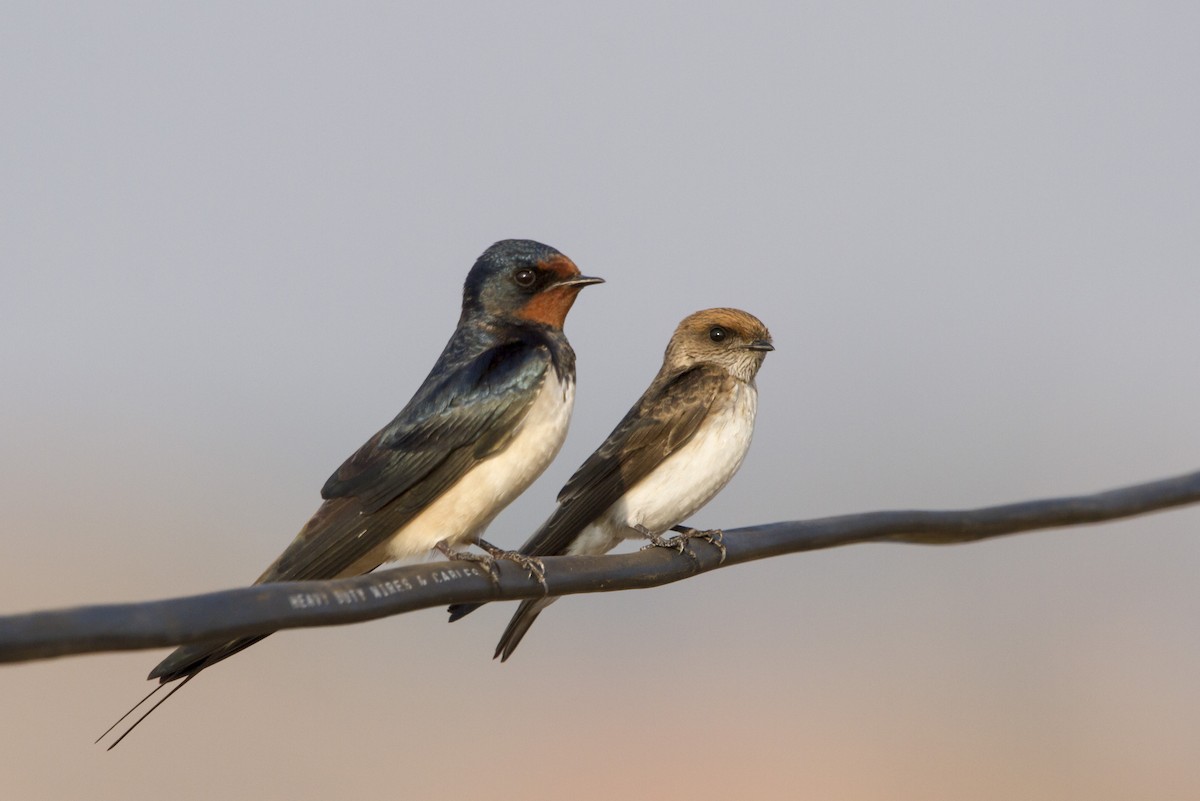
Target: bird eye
(525, 277)
(717, 333)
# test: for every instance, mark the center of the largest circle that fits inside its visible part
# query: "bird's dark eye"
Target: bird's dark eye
(717, 333)
(525, 276)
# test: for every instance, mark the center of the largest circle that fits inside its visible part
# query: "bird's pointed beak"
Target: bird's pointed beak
(761, 344)
(580, 281)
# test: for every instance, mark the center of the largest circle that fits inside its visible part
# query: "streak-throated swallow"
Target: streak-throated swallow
(675, 449)
(485, 423)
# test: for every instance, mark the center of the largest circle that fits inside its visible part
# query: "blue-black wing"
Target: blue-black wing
(456, 419)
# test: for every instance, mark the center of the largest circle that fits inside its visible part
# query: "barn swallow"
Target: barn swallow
(487, 420)
(677, 447)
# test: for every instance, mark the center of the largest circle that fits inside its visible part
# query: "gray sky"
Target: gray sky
(232, 242)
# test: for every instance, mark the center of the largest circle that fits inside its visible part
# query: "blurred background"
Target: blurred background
(234, 239)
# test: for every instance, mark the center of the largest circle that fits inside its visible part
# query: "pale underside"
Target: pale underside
(462, 513)
(684, 482)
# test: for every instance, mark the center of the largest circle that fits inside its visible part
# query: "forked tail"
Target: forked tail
(181, 665)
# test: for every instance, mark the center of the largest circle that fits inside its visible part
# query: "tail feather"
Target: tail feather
(183, 663)
(118, 721)
(301, 561)
(187, 660)
(145, 714)
(526, 613)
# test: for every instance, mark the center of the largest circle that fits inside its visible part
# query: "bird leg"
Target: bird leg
(657, 540)
(713, 536)
(532, 565)
(443, 547)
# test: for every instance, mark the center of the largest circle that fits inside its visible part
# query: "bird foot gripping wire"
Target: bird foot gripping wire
(713, 536)
(674, 543)
(530, 564)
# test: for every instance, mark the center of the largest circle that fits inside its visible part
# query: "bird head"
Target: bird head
(728, 338)
(519, 279)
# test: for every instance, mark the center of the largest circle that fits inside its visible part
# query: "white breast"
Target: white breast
(462, 513)
(685, 481)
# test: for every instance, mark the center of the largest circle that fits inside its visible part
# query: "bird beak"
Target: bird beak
(761, 344)
(580, 281)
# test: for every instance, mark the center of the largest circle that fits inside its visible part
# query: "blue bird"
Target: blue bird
(488, 419)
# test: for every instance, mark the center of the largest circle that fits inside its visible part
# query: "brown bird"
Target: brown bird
(676, 448)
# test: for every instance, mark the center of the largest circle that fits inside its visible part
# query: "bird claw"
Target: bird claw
(532, 565)
(674, 543)
(713, 536)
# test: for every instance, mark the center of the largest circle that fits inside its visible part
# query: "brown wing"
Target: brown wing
(664, 419)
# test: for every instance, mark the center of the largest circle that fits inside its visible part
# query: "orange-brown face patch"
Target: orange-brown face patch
(550, 306)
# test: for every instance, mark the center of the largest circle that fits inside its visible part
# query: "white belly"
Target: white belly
(684, 482)
(461, 514)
